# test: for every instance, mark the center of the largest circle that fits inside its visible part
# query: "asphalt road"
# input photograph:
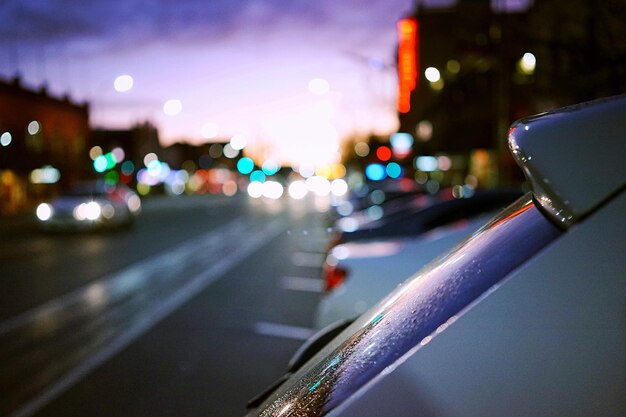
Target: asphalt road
(191, 313)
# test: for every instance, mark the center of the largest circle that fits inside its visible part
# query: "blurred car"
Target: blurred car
(357, 274)
(525, 318)
(90, 205)
(423, 213)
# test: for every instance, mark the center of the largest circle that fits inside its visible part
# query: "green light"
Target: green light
(110, 158)
(112, 177)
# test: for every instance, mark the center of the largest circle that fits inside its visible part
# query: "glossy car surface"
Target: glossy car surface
(524, 318)
(90, 205)
(372, 268)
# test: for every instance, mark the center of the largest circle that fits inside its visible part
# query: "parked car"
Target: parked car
(525, 318)
(424, 213)
(357, 274)
(90, 205)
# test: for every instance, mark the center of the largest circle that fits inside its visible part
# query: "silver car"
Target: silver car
(525, 318)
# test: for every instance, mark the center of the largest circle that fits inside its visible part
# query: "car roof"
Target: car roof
(570, 176)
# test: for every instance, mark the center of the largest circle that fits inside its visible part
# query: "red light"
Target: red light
(408, 62)
(334, 276)
(383, 153)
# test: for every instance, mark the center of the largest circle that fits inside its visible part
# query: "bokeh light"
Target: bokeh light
(6, 139)
(245, 165)
(172, 107)
(123, 83)
(375, 172)
(210, 130)
(319, 86)
(33, 127)
(297, 190)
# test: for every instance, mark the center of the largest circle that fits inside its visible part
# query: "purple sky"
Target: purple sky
(243, 65)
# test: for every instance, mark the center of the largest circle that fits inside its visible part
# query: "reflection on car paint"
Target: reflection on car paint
(415, 312)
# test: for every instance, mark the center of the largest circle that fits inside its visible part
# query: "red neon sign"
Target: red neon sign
(408, 56)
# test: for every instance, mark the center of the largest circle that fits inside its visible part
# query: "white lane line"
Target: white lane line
(282, 330)
(248, 246)
(302, 284)
(131, 275)
(308, 259)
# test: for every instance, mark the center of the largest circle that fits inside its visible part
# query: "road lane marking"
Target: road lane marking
(131, 275)
(302, 284)
(308, 259)
(282, 330)
(248, 245)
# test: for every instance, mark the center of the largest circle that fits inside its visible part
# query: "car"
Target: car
(90, 205)
(358, 273)
(524, 318)
(423, 213)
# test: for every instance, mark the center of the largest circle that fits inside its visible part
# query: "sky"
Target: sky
(235, 66)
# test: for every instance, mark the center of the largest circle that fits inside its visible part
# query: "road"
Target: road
(191, 313)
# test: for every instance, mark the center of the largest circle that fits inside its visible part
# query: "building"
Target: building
(42, 146)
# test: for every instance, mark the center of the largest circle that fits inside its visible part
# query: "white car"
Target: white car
(525, 318)
(90, 205)
(357, 274)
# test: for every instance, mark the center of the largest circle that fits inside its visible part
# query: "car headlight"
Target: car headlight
(44, 212)
(88, 211)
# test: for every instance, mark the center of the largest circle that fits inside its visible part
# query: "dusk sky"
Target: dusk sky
(235, 66)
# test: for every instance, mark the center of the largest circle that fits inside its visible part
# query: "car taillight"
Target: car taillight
(334, 276)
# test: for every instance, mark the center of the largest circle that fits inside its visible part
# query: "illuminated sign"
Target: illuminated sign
(408, 44)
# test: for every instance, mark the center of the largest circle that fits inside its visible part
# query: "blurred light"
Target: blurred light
(123, 83)
(100, 164)
(362, 149)
(375, 172)
(210, 130)
(149, 158)
(238, 142)
(112, 177)
(383, 153)
(5, 139)
(432, 74)
(437, 85)
(87, 211)
(108, 211)
(230, 152)
(270, 167)
(345, 209)
(377, 197)
(339, 187)
(215, 150)
(426, 163)
(257, 176)
(255, 189)
(527, 64)
(95, 152)
(444, 163)
(453, 66)
(172, 107)
(205, 161)
(128, 167)
(110, 160)
(134, 203)
(319, 86)
(323, 171)
(46, 175)
(338, 171)
(318, 185)
(307, 171)
(424, 130)
(421, 178)
(348, 224)
(33, 127)
(229, 188)
(432, 186)
(118, 154)
(245, 165)
(401, 143)
(394, 170)
(273, 190)
(297, 190)
(143, 189)
(44, 212)
(375, 212)
(408, 62)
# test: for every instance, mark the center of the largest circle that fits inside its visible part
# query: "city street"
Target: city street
(192, 312)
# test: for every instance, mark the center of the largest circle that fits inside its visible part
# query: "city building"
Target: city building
(43, 142)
